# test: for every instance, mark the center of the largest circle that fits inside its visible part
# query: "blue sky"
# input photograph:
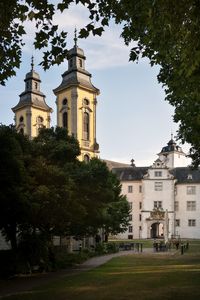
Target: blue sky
(133, 119)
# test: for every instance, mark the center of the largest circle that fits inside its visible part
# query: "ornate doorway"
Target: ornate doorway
(157, 230)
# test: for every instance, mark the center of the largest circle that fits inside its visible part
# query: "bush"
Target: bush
(63, 259)
(112, 247)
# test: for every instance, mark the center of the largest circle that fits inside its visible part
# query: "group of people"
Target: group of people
(160, 246)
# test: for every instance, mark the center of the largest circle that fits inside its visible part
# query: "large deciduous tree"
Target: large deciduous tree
(46, 191)
(99, 193)
(14, 181)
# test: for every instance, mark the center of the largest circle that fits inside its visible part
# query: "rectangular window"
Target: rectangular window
(176, 205)
(130, 218)
(130, 205)
(158, 174)
(140, 189)
(177, 223)
(191, 223)
(140, 217)
(158, 186)
(130, 188)
(191, 205)
(157, 204)
(191, 190)
(140, 205)
(130, 229)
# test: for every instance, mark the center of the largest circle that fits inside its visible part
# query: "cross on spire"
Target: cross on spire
(75, 37)
(32, 63)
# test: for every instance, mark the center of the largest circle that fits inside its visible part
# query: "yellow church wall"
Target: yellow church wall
(66, 94)
(84, 94)
(35, 113)
(18, 114)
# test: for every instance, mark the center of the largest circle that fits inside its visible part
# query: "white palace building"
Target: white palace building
(164, 198)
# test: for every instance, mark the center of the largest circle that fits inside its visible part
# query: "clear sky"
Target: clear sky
(133, 119)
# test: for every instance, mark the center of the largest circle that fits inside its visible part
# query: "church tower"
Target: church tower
(32, 112)
(76, 103)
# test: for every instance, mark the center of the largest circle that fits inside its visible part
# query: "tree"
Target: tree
(14, 182)
(167, 32)
(54, 155)
(46, 191)
(99, 193)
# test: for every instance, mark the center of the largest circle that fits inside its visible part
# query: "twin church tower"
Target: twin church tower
(76, 101)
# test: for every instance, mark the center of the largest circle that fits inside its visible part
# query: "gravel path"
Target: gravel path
(26, 284)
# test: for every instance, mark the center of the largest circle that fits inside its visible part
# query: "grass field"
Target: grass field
(143, 276)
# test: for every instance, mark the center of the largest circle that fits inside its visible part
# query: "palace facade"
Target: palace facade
(164, 198)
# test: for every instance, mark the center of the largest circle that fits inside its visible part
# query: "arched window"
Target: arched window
(64, 102)
(40, 121)
(86, 126)
(65, 119)
(86, 102)
(86, 158)
(21, 119)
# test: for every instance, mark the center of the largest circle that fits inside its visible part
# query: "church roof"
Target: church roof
(76, 80)
(34, 102)
(76, 75)
(32, 75)
(30, 96)
(113, 164)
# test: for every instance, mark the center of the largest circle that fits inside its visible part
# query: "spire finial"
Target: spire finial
(32, 63)
(132, 162)
(75, 37)
(172, 136)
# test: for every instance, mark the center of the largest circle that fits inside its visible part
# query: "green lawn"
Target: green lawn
(154, 276)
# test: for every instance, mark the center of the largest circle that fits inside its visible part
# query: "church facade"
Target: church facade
(76, 101)
(164, 198)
